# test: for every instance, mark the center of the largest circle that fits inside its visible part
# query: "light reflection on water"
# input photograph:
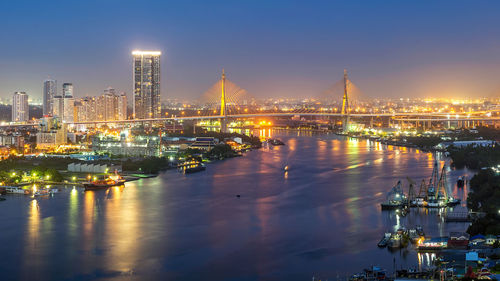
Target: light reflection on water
(322, 217)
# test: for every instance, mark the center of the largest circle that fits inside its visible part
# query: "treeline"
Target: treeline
(485, 197)
(474, 157)
(149, 165)
(424, 142)
(219, 151)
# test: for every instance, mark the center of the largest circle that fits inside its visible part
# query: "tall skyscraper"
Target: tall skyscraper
(20, 108)
(49, 91)
(146, 84)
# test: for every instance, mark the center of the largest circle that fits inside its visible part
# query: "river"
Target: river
(322, 218)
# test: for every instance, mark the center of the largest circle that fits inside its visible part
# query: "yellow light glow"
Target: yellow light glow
(146, 53)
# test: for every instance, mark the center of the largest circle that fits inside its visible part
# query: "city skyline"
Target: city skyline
(391, 49)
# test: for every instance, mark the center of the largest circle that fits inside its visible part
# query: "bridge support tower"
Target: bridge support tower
(223, 109)
(345, 106)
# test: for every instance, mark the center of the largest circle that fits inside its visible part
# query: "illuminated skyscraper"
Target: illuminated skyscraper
(68, 103)
(122, 107)
(49, 91)
(146, 84)
(20, 109)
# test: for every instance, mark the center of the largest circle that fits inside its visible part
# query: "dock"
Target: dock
(457, 217)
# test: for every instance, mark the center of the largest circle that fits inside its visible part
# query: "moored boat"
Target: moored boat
(383, 242)
(396, 199)
(16, 190)
(193, 169)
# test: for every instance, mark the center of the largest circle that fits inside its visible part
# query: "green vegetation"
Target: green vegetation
(474, 157)
(220, 151)
(485, 197)
(149, 165)
(424, 142)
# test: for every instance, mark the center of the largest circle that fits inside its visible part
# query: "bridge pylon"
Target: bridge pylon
(345, 106)
(223, 108)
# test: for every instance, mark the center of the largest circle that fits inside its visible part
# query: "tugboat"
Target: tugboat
(395, 198)
(98, 184)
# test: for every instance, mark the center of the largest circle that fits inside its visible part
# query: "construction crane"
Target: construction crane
(411, 190)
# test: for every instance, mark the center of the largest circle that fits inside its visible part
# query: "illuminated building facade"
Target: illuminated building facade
(125, 145)
(20, 109)
(68, 103)
(146, 84)
(107, 107)
(52, 133)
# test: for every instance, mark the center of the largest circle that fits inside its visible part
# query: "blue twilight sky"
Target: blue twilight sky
(270, 48)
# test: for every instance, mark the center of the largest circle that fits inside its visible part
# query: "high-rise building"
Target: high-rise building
(146, 84)
(49, 91)
(68, 103)
(67, 90)
(20, 108)
(58, 106)
(122, 107)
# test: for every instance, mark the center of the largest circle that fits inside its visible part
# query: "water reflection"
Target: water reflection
(323, 216)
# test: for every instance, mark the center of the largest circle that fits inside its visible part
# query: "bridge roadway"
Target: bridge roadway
(401, 115)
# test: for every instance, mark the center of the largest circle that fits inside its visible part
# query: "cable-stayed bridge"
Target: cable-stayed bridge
(225, 100)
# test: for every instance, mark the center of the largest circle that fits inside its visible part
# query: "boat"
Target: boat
(395, 241)
(285, 168)
(396, 199)
(41, 192)
(461, 182)
(453, 201)
(16, 190)
(383, 242)
(414, 235)
(275, 142)
(117, 178)
(195, 168)
(99, 184)
(2, 199)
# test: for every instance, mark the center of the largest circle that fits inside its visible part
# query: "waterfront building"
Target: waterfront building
(49, 91)
(20, 109)
(146, 84)
(129, 146)
(204, 143)
(52, 133)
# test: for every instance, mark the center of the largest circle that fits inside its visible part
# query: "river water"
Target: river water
(320, 219)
